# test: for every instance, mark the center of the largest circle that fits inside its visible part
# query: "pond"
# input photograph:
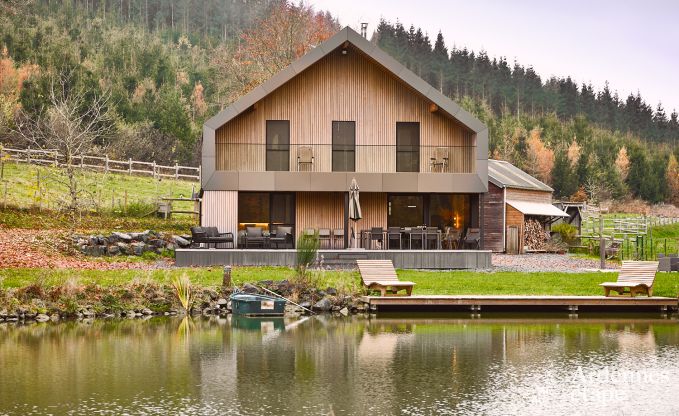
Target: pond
(390, 364)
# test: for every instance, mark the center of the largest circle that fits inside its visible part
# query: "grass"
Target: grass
(427, 282)
(32, 186)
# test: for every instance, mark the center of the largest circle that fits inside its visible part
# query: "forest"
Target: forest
(165, 66)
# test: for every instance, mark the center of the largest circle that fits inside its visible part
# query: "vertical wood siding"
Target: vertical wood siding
(319, 210)
(374, 210)
(492, 213)
(515, 218)
(220, 209)
(344, 88)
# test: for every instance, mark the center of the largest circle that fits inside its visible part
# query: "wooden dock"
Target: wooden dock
(479, 303)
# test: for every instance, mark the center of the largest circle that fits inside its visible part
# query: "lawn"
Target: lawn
(427, 282)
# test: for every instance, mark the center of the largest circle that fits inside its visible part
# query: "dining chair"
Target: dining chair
(394, 234)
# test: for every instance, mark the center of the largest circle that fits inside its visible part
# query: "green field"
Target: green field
(39, 186)
(427, 282)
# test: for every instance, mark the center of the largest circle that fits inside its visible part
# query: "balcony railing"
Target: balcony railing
(247, 157)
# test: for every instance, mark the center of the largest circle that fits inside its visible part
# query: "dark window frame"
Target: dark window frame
(410, 149)
(270, 147)
(344, 149)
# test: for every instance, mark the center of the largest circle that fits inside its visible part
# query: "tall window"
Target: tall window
(278, 145)
(343, 146)
(407, 147)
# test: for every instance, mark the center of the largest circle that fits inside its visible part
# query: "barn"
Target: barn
(514, 201)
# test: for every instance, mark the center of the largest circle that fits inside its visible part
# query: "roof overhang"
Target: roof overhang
(537, 208)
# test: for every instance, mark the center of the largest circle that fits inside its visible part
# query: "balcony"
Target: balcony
(247, 157)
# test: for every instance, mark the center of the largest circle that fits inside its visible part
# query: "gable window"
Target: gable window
(278, 145)
(343, 146)
(407, 147)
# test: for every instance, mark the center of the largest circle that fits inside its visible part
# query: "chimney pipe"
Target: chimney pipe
(364, 30)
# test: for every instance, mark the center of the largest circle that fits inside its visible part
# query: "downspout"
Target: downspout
(504, 219)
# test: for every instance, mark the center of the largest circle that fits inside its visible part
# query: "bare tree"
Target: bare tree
(72, 126)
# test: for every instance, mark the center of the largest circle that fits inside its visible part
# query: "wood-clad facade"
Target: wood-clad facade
(345, 87)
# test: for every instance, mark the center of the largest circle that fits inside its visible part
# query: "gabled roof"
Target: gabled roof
(372, 51)
(506, 175)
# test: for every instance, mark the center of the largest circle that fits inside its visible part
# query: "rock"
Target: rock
(306, 305)
(221, 302)
(138, 248)
(323, 305)
(170, 246)
(54, 317)
(3, 313)
(157, 243)
(180, 241)
(344, 311)
(131, 314)
(331, 291)
(146, 311)
(122, 236)
(248, 288)
(42, 317)
(113, 250)
(335, 308)
(123, 247)
(87, 313)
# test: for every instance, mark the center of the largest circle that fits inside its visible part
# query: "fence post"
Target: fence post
(129, 170)
(28, 153)
(176, 170)
(82, 159)
(106, 168)
(154, 169)
(56, 159)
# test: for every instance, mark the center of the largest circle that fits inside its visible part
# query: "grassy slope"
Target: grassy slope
(428, 282)
(22, 182)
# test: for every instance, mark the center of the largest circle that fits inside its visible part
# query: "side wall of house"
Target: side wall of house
(220, 209)
(515, 219)
(493, 201)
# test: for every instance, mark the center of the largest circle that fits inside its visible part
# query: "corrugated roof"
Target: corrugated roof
(506, 175)
(537, 208)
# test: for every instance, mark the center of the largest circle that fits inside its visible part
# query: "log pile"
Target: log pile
(534, 235)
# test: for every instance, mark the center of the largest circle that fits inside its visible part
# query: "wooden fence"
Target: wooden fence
(101, 163)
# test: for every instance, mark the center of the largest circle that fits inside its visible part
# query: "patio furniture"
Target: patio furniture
(324, 235)
(305, 158)
(416, 234)
(338, 236)
(309, 231)
(210, 235)
(432, 236)
(254, 236)
(451, 238)
(381, 275)
(282, 235)
(634, 277)
(440, 159)
(473, 239)
(612, 249)
(377, 234)
(668, 263)
(394, 234)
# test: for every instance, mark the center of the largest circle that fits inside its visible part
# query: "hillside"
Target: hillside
(169, 65)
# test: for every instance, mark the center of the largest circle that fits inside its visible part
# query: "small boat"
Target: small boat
(256, 305)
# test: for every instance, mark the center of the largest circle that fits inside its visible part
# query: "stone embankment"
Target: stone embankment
(144, 300)
(130, 244)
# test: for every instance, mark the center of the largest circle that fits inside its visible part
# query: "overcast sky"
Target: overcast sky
(632, 44)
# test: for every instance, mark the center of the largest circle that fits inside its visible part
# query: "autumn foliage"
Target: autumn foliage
(540, 158)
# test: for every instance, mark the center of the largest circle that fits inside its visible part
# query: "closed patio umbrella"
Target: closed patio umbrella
(354, 208)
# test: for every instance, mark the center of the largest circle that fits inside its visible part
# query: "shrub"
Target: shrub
(307, 247)
(566, 231)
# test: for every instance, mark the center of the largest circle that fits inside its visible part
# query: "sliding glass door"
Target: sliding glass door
(405, 210)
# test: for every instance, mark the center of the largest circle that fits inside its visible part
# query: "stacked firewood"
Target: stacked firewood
(534, 235)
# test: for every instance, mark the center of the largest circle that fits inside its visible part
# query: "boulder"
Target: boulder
(323, 305)
(180, 241)
(146, 311)
(344, 311)
(221, 302)
(248, 288)
(156, 242)
(41, 317)
(331, 291)
(122, 236)
(138, 248)
(113, 250)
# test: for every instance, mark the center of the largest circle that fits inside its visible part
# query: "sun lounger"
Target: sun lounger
(380, 275)
(635, 277)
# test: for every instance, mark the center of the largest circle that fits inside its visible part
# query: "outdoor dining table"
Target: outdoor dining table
(366, 236)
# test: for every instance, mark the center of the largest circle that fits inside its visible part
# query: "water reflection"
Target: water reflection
(321, 365)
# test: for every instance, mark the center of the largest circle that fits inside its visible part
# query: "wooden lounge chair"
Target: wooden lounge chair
(380, 275)
(637, 276)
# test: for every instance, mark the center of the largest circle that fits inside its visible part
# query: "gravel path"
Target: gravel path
(546, 263)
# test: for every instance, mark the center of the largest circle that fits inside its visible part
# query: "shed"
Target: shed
(513, 198)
